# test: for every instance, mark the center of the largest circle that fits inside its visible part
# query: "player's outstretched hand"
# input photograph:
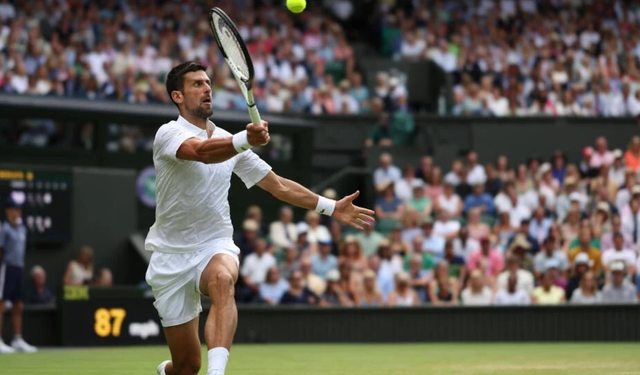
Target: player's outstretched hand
(258, 135)
(347, 213)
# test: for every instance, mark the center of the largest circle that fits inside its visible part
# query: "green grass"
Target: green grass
(338, 359)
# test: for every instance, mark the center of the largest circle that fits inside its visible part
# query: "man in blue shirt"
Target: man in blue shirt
(479, 199)
(13, 240)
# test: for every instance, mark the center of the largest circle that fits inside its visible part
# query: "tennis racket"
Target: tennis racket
(236, 55)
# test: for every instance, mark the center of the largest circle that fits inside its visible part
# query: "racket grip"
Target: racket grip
(255, 115)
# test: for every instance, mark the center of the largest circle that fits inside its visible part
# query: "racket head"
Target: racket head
(231, 45)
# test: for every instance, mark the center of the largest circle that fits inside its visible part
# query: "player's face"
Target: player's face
(197, 94)
(13, 214)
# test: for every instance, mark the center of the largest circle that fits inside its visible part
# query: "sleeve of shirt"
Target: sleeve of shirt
(168, 140)
(2, 238)
(250, 168)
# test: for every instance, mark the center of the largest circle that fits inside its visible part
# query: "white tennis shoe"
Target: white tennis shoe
(5, 349)
(160, 369)
(19, 345)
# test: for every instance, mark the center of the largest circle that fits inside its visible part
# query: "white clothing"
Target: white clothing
(525, 280)
(465, 250)
(481, 299)
(283, 235)
(175, 280)
(611, 255)
(444, 229)
(450, 204)
(256, 267)
(192, 207)
(520, 297)
(320, 233)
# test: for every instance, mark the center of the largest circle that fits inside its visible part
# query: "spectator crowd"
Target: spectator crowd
(123, 49)
(549, 231)
(524, 57)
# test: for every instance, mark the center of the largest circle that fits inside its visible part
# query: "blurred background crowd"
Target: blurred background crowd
(549, 231)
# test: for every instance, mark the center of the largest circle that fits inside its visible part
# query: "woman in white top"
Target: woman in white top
(404, 187)
(476, 293)
(316, 231)
(449, 200)
(80, 270)
(587, 293)
(403, 295)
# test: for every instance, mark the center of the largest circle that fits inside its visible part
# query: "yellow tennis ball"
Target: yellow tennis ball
(296, 6)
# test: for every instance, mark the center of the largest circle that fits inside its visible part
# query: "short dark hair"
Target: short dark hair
(175, 78)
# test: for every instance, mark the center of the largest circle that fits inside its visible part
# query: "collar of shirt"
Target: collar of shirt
(195, 129)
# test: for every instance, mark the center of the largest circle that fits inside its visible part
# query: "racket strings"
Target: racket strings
(231, 46)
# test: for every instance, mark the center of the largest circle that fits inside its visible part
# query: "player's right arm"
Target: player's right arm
(183, 146)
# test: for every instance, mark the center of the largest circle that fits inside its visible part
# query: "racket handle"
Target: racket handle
(255, 115)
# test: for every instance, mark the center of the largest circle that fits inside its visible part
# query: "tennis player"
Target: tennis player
(191, 239)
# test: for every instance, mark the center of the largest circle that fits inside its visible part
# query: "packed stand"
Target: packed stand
(552, 231)
(123, 49)
(524, 58)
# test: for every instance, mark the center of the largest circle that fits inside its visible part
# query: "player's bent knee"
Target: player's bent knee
(221, 284)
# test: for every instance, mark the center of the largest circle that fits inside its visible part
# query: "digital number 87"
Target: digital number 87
(103, 326)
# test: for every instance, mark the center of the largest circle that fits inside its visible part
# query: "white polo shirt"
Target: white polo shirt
(192, 208)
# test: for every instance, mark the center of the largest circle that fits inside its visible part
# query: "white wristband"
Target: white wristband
(241, 142)
(325, 206)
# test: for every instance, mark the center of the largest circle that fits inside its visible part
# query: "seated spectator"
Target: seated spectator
(619, 253)
(457, 266)
(419, 277)
(521, 249)
(103, 279)
(571, 227)
(606, 240)
(254, 213)
(479, 199)
(302, 244)
(386, 171)
(419, 202)
(411, 225)
(477, 293)
(524, 278)
(427, 258)
(334, 295)
(370, 296)
(581, 266)
(324, 261)
(449, 201)
(298, 294)
(539, 225)
(553, 266)
(503, 230)
(403, 294)
(550, 252)
(351, 253)
(290, 263)
(247, 240)
(585, 247)
(443, 289)
(431, 243)
(619, 290)
(350, 281)
(80, 270)
(512, 295)
(369, 240)
(40, 294)
(389, 262)
(587, 293)
(396, 243)
(491, 257)
(254, 270)
(335, 228)
(283, 232)
(477, 229)
(384, 280)
(523, 231)
(632, 155)
(404, 186)
(387, 205)
(273, 288)
(445, 227)
(547, 293)
(316, 232)
(315, 283)
(464, 245)
(434, 187)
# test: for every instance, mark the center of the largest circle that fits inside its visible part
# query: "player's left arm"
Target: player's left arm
(295, 194)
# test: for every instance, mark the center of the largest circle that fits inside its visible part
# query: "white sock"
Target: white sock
(218, 358)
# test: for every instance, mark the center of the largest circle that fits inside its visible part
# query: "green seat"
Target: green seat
(384, 226)
(489, 220)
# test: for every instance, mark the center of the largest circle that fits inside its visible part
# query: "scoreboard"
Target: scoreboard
(45, 196)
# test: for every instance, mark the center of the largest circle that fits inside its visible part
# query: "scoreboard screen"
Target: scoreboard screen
(45, 196)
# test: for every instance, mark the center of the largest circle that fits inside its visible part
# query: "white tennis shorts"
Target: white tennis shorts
(175, 281)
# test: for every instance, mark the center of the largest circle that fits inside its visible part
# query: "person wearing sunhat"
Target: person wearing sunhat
(569, 194)
(585, 246)
(618, 169)
(521, 248)
(13, 243)
(619, 290)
